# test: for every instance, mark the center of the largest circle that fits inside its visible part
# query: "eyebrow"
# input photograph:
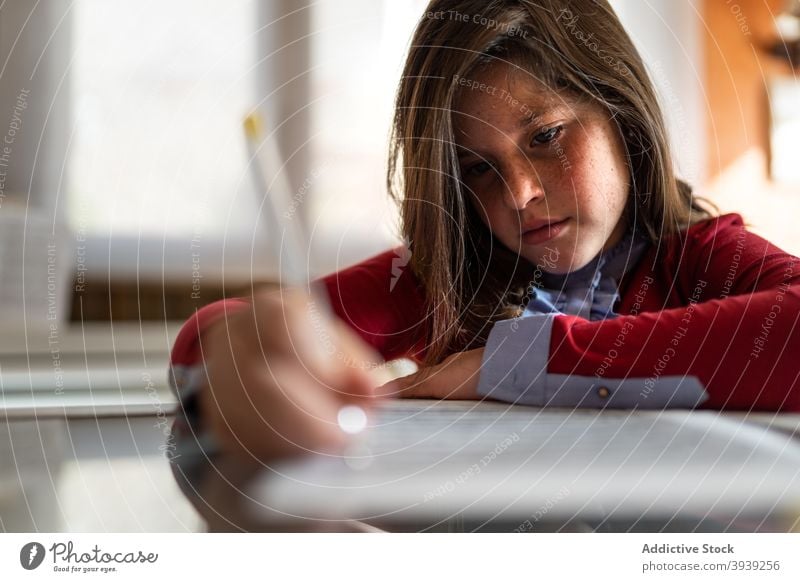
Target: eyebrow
(529, 120)
(464, 152)
(524, 123)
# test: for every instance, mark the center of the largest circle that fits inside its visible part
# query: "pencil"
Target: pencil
(287, 235)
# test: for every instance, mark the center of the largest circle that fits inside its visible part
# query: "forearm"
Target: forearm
(742, 349)
(737, 353)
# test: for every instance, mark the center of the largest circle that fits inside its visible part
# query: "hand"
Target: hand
(455, 378)
(278, 373)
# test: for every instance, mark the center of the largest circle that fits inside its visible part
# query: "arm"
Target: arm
(736, 333)
(363, 296)
(742, 349)
(379, 299)
(735, 336)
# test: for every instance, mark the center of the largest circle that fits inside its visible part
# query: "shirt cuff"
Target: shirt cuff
(514, 369)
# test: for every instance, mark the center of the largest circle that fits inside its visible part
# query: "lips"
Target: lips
(542, 223)
(543, 230)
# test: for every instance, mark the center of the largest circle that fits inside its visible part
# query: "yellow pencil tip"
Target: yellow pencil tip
(253, 126)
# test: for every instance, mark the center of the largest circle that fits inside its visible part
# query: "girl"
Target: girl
(554, 257)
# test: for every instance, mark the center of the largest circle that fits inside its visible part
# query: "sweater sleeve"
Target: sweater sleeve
(186, 376)
(737, 333)
(382, 301)
(379, 298)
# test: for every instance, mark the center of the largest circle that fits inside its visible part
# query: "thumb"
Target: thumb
(415, 385)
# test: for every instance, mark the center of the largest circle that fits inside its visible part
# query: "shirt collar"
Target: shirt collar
(591, 292)
(613, 263)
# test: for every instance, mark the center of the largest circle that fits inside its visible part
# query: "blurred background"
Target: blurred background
(127, 203)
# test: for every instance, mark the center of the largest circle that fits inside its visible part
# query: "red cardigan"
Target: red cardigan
(716, 302)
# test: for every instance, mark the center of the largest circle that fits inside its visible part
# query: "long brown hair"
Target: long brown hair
(578, 46)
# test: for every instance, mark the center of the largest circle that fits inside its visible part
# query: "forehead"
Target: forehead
(503, 90)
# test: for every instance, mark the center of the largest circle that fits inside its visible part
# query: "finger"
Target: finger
(389, 389)
(295, 328)
(418, 385)
(281, 413)
(331, 349)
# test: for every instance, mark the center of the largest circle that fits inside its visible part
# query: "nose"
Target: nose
(523, 185)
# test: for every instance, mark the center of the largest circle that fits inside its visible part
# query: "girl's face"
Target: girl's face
(547, 173)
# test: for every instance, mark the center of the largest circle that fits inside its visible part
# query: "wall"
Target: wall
(737, 127)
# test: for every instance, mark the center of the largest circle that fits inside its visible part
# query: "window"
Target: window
(158, 159)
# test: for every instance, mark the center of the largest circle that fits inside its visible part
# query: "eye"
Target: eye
(547, 135)
(478, 169)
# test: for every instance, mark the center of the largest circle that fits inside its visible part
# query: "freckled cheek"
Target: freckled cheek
(499, 215)
(498, 218)
(609, 187)
(487, 203)
(593, 184)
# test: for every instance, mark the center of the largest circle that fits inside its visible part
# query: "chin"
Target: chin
(563, 264)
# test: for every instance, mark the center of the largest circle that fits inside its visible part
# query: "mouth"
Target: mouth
(542, 230)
